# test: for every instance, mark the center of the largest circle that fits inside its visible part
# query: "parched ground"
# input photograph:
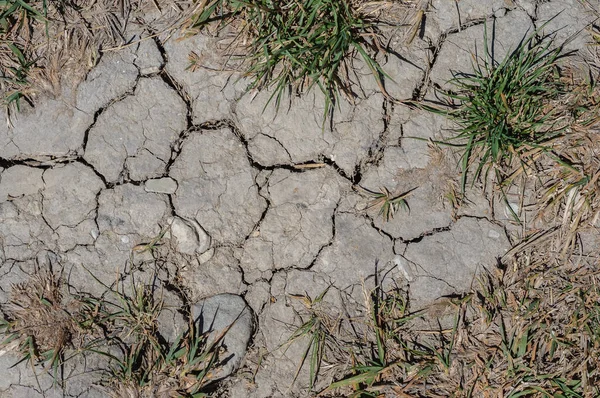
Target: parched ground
(259, 204)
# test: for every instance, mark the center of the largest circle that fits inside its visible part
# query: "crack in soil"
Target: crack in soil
(375, 153)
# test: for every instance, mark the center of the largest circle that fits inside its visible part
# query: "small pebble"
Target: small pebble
(493, 234)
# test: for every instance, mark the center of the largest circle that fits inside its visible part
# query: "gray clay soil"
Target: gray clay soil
(260, 205)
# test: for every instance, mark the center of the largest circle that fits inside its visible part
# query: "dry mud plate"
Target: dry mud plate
(255, 210)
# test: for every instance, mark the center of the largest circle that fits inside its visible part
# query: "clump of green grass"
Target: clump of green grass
(504, 108)
(292, 46)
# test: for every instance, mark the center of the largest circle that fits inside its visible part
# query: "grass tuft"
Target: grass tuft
(293, 46)
(504, 108)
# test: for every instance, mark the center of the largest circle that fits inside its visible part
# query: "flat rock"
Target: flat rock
(217, 313)
(143, 125)
(161, 185)
(448, 262)
(216, 186)
(189, 237)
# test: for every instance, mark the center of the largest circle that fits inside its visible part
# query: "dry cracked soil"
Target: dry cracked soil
(260, 206)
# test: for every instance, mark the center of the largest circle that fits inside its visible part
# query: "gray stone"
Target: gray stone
(20, 180)
(161, 185)
(130, 210)
(53, 128)
(217, 313)
(151, 121)
(113, 77)
(189, 237)
(448, 262)
(70, 194)
(216, 186)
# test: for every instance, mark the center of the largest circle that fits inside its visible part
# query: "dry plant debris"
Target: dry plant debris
(44, 322)
(44, 44)
(48, 326)
(532, 329)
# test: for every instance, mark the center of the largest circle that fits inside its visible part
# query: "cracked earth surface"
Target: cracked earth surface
(260, 204)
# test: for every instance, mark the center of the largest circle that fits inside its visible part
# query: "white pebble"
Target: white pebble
(493, 234)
